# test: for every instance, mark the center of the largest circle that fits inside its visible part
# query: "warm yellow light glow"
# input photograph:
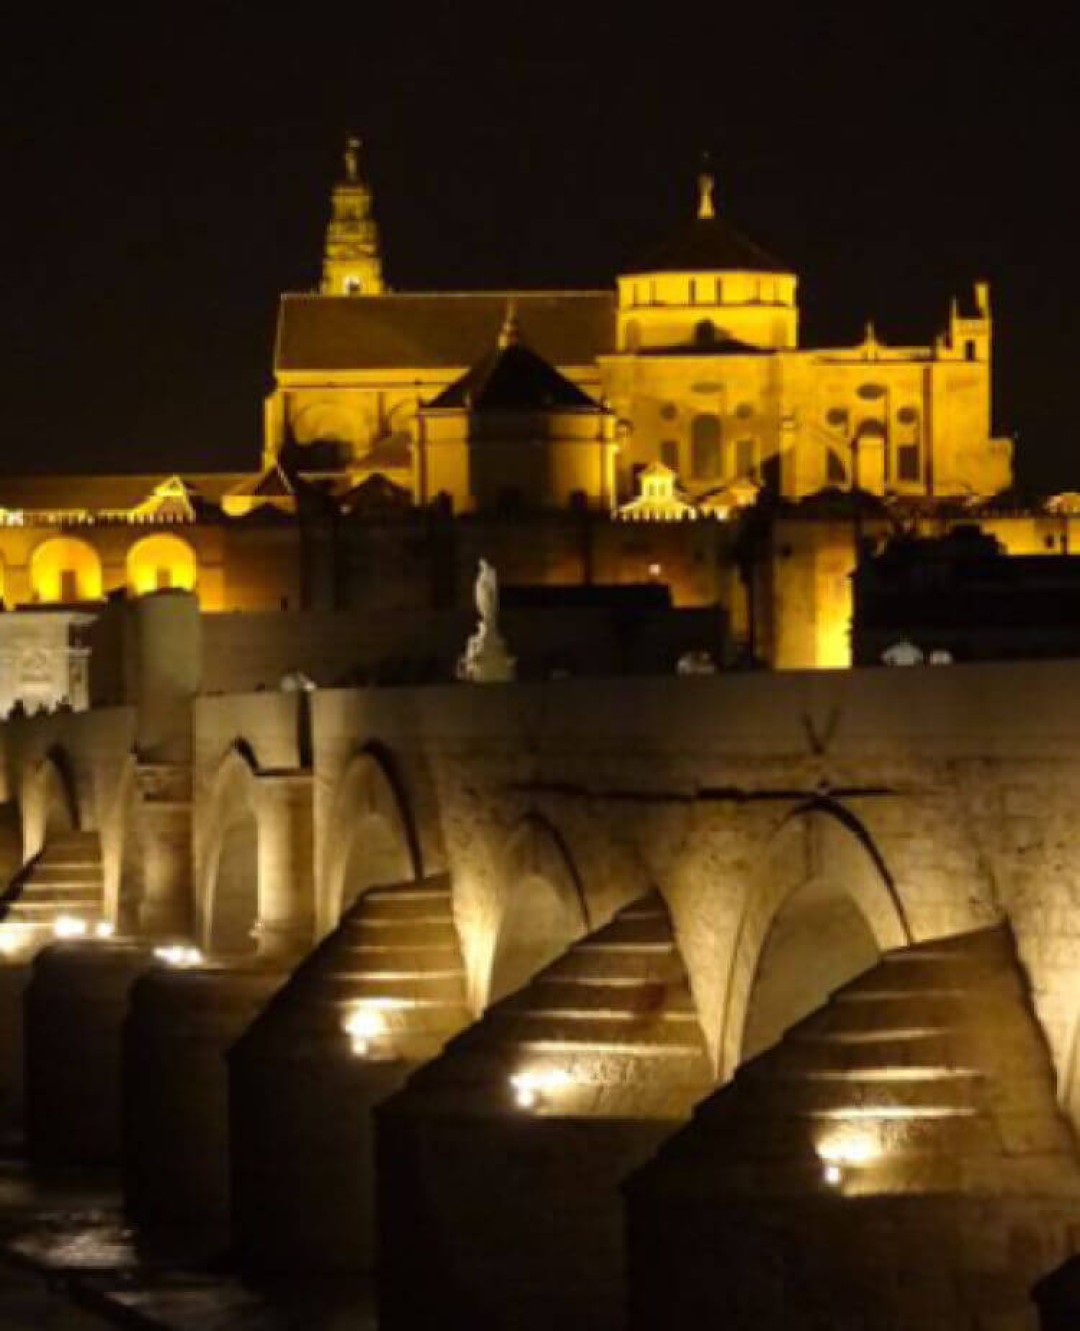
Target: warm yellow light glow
(844, 1150)
(65, 570)
(12, 940)
(364, 1025)
(179, 954)
(104, 929)
(533, 1086)
(69, 926)
(159, 562)
(849, 1147)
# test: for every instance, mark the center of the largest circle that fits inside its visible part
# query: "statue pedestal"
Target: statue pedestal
(486, 660)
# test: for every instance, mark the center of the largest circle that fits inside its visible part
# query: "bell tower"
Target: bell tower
(351, 262)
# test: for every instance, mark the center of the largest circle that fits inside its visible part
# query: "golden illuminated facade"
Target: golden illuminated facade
(696, 355)
(633, 429)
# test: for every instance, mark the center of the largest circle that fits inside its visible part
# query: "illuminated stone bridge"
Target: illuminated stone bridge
(505, 939)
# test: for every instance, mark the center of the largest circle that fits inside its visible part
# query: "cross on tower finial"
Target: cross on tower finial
(352, 158)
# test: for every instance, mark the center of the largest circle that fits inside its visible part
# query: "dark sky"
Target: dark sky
(165, 181)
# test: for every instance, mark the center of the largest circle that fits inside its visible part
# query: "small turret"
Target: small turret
(969, 334)
(352, 265)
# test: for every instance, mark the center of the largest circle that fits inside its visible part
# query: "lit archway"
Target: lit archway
(543, 908)
(371, 841)
(235, 893)
(821, 911)
(227, 901)
(65, 571)
(48, 802)
(160, 562)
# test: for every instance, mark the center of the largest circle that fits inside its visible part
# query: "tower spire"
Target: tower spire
(706, 185)
(510, 333)
(352, 264)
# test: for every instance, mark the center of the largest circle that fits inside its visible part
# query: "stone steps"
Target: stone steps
(895, 1081)
(66, 879)
(395, 953)
(401, 933)
(612, 1020)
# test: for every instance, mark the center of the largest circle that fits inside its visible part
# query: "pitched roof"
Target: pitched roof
(95, 493)
(271, 484)
(709, 244)
(512, 377)
(438, 331)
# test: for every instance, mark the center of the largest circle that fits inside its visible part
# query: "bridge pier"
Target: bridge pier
(377, 999)
(74, 1008)
(286, 919)
(165, 824)
(898, 1159)
(180, 1024)
(500, 1162)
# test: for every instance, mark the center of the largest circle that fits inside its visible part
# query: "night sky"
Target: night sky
(164, 184)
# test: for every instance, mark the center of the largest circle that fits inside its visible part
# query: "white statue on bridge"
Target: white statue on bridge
(487, 596)
(486, 660)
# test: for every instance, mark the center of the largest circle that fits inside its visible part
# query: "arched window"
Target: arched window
(160, 562)
(705, 458)
(64, 571)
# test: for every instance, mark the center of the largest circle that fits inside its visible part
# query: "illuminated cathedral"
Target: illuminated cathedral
(693, 363)
(655, 417)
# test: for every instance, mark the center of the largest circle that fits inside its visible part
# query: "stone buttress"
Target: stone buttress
(500, 1162)
(898, 1160)
(376, 999)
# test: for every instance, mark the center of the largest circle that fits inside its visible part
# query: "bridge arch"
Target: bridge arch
(48, 800)
(820, 910)
(227, 897)
(543, 907)
(370, 838)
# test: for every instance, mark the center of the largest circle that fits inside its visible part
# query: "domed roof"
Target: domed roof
(709, 244)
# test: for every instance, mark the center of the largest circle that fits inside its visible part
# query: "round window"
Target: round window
(869, 392)
(668, 411)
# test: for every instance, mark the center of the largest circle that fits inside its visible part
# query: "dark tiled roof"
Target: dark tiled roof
(440, 331)
(709, 244)
(513, 378)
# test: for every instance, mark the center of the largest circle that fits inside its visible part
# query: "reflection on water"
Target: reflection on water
(73, 1228)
